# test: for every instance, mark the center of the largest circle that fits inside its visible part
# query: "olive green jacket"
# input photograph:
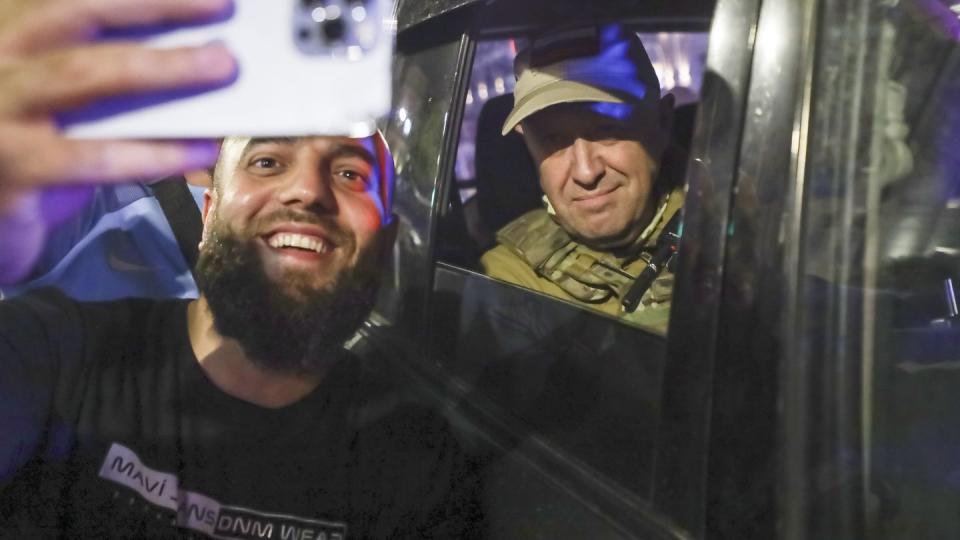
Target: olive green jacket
(533, 251)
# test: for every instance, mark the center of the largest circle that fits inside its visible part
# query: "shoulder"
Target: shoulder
(504, 264)
(500, 255)
(532, 234)
(37, 301)
(45, 312)
(521, 245)
(47, 318)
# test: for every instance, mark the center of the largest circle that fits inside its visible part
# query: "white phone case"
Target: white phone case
(282, 89)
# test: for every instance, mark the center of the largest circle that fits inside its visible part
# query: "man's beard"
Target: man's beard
(298, 331)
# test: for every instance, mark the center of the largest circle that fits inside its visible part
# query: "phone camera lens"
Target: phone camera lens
(334, 29)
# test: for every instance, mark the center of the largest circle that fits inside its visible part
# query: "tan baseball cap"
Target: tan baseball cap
(597, 63)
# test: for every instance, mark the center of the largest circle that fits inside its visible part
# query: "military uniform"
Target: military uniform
(533, 251)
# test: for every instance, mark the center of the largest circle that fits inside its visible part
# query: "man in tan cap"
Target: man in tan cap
(588, 104)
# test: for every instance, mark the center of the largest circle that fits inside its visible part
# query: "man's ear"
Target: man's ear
(209, 204)
(518, 128)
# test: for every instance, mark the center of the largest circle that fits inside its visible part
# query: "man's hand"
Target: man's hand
(49, 62)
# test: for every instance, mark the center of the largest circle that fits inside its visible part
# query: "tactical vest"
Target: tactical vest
(586, 274)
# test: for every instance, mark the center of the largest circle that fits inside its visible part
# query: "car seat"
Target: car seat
(507, 184)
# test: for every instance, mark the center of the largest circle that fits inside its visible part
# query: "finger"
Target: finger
(113, 161)
(64, 79)
(36, 25)
(200, 178)
(68, 161)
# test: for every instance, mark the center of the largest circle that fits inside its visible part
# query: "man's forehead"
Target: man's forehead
(328, 151)
(362, 147)
(234, 150)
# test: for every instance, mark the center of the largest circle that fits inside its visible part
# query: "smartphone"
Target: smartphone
(305, 67)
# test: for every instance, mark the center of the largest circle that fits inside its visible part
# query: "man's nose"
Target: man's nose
(307, 187)
(587, 164)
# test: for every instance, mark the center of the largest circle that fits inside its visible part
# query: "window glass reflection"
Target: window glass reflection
(881, 239)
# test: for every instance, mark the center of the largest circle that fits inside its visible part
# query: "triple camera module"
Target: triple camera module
(341, 28)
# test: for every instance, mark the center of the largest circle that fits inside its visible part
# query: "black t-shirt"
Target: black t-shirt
(109, 428)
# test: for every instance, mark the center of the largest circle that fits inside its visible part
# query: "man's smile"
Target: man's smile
(299, 243)
(595, 200)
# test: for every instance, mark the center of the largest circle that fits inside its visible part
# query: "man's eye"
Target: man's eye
(265, 163)
(265, 166)
(352, 176)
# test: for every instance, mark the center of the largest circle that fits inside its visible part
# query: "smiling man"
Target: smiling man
(588, 104)
(295, 231)
(239, 414)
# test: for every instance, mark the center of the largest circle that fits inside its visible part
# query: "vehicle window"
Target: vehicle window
(572, 390)
(881, 270)
(497, 180)
(414, 132)
(678, 58)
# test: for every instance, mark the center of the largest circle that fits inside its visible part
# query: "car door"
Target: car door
(585, 426)
(856, 285)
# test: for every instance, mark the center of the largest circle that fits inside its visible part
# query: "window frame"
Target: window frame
(701, 392)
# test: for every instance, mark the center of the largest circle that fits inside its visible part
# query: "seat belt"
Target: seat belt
(182, 214)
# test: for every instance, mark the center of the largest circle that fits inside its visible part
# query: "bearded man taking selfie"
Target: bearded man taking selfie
(237, 414)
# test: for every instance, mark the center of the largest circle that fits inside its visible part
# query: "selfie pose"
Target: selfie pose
(236, 415)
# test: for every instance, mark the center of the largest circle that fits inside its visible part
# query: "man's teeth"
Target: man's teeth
(311, 243)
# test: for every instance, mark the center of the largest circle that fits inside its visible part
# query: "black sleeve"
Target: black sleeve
(37, 331)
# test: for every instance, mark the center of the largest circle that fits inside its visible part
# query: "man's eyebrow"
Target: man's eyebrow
(256, 141)
(340, 150)
(353, 150)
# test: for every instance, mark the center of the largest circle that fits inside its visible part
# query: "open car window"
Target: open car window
(564, 401)
(495, 180)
